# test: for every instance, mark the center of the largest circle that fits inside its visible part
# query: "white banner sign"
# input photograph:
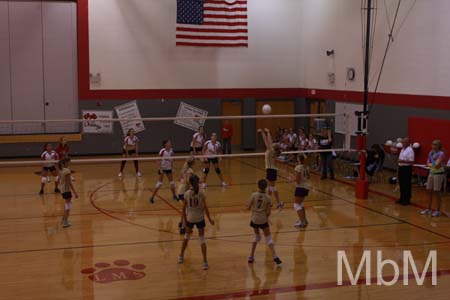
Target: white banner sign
(93, 123)
(349, 123)
(186, 110)
(129, 110)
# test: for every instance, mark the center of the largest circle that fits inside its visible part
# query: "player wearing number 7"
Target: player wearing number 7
(194, 211)
(260, 204)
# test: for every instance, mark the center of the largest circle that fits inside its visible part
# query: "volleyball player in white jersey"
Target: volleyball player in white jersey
(301, 191)
(272, 152)
(48, 155)
(198, 140)
(165, 167)
(210, 150)
(130, 149)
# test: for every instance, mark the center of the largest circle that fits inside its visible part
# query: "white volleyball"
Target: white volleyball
(266, 109)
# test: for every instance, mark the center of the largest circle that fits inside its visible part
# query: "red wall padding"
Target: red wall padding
(425, 131)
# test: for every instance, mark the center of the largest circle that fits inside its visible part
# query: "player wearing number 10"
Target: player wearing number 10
(194, 211)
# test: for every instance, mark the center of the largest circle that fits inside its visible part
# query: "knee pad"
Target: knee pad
(202, 240)
(43, 179)
(187, 236)
(158, 184)
(68, 206)
(57, 178)
(257, 238)
(299, 207)
(218, 171)
(172, 184)
(272, 189)
(206, 170)
(269, 240)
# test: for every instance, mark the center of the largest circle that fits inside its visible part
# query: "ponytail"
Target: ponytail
(194, 181)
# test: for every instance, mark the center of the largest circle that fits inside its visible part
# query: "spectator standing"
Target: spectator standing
(405, 163)
(326, 158)
(227, 134)
(436, 178)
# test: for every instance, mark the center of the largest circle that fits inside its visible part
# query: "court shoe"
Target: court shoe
(301, 224)
(277, 260)
(181, 227)
(280, 205)
(138, 174)
(175, 198)
(426, 212)
(57, 191)
(120, 174)
(152, 199)
(436, 214)
(180, 259)
(205, 265)
(67, 224)
(224, 184)
(41, 192)
(251, 259)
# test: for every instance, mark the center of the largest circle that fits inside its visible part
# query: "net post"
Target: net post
(362, 184)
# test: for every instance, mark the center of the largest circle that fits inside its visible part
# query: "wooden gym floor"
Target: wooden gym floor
(121, 247)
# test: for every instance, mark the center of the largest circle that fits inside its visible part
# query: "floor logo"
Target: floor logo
(119, 270)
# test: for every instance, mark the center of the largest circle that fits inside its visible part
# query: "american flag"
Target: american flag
(212, 23)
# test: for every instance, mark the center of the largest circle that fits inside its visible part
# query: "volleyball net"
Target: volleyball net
(100, 137)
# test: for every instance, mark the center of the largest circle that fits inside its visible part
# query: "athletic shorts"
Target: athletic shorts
(199, 225)
(301, 192)
(167, 172)
(196, 149)
(435, 182)
(260, 226)
(271, 174)
(50, 169)
(66, 195)
(130, 152)
(214, 160)
(181, 197)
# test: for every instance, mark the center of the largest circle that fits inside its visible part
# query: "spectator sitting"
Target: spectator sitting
(302, 140)
(375, 159)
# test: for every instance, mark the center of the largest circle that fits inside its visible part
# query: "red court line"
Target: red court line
(166, 201)
(106, 213)
(298, 288)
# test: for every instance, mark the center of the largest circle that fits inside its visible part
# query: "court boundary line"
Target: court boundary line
(299, 288)
(228, 236)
